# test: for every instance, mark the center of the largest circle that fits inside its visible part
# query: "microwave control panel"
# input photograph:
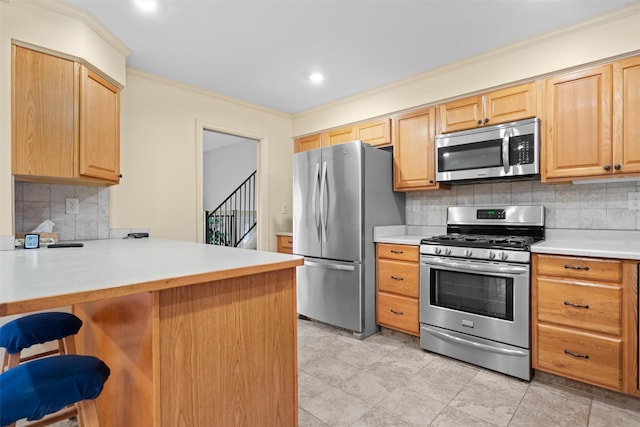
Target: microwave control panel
(521, 150)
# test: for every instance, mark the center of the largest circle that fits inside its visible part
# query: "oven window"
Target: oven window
(473, 293)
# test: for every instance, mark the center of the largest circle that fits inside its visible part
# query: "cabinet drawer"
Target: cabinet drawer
(285, 244)
(596, 359)
(580, 305)
(399, 252)
(580, 268)
(399, 277)
(398, 312)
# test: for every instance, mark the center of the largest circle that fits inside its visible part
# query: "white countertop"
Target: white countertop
(405, 234)
(284, 233)
(27, 274)
(592, 243)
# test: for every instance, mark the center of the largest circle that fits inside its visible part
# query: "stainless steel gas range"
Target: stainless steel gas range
(475, 287)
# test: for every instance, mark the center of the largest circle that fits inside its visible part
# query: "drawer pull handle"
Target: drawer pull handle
(580, 356)
(396, 252)
(397, 278)
(576, 305)
(396, 312)
(576, 267)
(290, 242)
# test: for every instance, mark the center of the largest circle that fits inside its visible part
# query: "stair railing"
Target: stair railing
(235, 217)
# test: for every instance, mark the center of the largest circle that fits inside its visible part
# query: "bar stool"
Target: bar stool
(52, 389)
(34, 329)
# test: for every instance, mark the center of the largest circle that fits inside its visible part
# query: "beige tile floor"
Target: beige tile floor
(387, 380)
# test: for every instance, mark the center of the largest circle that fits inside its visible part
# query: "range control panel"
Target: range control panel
(491, 214)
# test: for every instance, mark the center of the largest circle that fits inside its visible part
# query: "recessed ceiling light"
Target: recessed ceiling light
(146, 5)
(316, 77)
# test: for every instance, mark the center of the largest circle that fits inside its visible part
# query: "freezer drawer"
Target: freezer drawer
(331, 292)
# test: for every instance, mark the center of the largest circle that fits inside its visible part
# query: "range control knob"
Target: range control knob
(492, 255)
(504, 255)
(438, 251)
(447, 251)
(467, 252)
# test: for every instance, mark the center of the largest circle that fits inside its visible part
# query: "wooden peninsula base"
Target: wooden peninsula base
(214, 353)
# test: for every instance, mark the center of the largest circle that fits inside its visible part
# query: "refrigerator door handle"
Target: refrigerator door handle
(323, 199)
(329, 266)
(314, 199)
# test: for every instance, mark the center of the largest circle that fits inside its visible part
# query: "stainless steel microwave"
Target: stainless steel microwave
(509, 150)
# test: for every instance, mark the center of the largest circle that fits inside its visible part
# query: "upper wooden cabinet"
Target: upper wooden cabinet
(414, 150)
(99, 127)
(593, 122)
(65, 121)
(500, 106)
(340, 136)
(626, 116)
(308, 142)
(375, 132)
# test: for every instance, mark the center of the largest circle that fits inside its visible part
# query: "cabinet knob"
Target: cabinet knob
(479, 122)
(607, 168)
(617, 167)
(430, 181)
(486, 120)
(120, 176)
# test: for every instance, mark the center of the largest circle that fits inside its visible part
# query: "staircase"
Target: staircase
(234, 221)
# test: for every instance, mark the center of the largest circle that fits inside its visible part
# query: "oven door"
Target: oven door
(485, 299)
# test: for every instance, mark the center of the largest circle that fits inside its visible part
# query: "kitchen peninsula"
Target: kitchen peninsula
(191, 332)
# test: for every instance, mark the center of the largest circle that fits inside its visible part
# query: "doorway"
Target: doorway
(229, 189)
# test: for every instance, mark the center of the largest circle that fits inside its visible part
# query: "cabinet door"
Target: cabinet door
(461, 114)
(43, 114)
(376, 132)
(626, 129)
(413, 150)
(99, 127)
(578, 108)
(340, 136)
(308, 142)
(512, 103)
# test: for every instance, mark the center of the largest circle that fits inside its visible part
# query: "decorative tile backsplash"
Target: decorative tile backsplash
(35, 203)
(584, 206)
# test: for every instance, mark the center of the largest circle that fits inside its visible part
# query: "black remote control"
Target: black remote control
(66, 245)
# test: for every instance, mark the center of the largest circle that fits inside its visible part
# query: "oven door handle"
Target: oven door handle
(475, 268)
(476, 345)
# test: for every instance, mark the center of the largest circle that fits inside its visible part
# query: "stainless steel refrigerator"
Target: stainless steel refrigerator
(339, 194)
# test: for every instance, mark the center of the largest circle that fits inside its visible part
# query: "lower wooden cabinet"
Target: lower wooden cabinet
(585, 320)
(397, 287)
(284, 244)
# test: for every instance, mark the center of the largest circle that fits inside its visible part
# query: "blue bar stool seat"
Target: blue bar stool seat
(41, 387)
(34, 329)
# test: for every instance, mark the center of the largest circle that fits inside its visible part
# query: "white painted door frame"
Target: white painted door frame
(262, 180)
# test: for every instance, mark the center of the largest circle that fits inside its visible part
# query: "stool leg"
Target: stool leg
(14, 360)
(87, 413)
(69, 345)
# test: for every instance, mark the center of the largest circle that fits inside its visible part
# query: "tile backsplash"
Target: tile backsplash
(35, 203)
(584, 206)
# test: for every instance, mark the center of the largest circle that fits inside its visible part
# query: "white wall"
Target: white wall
(161, 158)
(610, 35)
(225, 169)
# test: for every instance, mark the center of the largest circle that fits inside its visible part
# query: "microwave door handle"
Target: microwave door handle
(505, 150)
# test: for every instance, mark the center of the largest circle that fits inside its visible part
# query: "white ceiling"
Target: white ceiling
(261, 51)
